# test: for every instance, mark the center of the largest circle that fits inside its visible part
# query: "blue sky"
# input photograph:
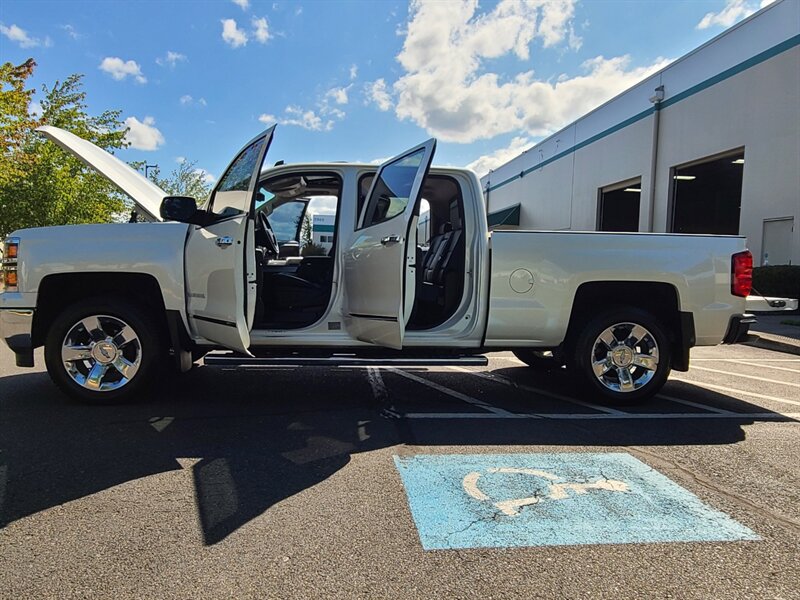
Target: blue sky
(352, 80)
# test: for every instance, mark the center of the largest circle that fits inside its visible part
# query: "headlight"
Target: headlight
(8, 275)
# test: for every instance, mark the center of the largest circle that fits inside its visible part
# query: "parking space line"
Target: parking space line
(712, 409)
(753, 377)
(458, 395)
(761, 360)
(752, 364)
(763, 416)
(722, 388)
(533, 390)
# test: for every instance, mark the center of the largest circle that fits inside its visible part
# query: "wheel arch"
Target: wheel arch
(662, 300)
(60, 290)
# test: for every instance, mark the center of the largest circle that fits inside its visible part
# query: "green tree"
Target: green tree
(185, 180)
(16, 120)
(45, 185)
(306, 231)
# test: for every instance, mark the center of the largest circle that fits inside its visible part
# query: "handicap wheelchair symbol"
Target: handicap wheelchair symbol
(555, 490)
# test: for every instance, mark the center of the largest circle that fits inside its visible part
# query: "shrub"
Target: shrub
(780, 280)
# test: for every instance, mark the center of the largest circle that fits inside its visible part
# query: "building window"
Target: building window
(707, 195)
(618, 206)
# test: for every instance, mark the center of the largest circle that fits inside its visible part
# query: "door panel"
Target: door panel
(376, 263)
(220, 257)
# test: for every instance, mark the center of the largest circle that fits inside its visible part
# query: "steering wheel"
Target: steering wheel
(268, 239)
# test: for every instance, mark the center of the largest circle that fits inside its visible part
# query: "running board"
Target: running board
(231, 359)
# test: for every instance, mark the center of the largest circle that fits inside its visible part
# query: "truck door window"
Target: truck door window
(390, 195)
(237, 178)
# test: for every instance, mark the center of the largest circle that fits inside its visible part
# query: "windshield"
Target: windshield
(284, 219)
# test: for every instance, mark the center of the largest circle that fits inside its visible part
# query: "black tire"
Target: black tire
(610, 386)
(537, 359)
(116, 388)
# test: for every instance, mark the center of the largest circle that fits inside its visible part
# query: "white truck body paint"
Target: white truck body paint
(490, 314)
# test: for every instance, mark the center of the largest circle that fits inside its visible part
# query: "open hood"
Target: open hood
(146, 194)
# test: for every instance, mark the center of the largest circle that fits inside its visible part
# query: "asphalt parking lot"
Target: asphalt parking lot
(287, 482)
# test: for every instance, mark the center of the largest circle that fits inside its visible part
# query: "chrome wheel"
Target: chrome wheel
(101, 353)
(625, 357)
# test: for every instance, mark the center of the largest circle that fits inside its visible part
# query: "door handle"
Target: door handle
(224, 241)
(390, 239)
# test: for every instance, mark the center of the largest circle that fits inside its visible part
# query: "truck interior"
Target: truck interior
(295, 279)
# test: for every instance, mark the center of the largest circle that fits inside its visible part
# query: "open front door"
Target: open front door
(379, 264)
(220, 256)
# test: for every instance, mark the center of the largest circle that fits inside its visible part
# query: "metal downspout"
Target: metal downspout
(656, 100)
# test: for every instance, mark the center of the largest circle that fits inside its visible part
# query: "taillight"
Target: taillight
(8, 281)
(742, 273)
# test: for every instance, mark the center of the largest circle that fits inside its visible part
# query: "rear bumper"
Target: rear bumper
(16, 325)
(737, 328)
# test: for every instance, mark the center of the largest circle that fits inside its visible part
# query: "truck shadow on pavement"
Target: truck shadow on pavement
(252, 439)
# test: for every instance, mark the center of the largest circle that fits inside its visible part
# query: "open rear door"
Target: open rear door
(220, 256)
(378, 278)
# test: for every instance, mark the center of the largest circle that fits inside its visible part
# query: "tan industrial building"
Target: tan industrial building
(709, 144)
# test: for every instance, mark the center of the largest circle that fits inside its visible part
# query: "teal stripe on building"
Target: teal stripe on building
(727, 74)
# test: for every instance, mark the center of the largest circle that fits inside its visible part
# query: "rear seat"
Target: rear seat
(434, 259)
(437, 264)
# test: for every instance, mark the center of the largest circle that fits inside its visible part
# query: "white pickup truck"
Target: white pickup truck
(411, 276)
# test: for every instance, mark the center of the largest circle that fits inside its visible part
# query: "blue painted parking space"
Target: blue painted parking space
(518, 500)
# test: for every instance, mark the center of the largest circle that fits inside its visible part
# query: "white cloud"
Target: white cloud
(486, 163)
(232, 35)
(338, 94)
(180, 159)
(143, 135)
(208, 178)
(733, 11)
(71, 32)
(21, 37)
(322, 205)
(322, 120)
(171, 59)
(378, 93)
(447, 90)
(35, 109)
(261, 29)
(294, 115)
(188, 100)
(120, 69)
(353, 72)
(243, 4)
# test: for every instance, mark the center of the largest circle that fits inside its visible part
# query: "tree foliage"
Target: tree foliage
(185, 180)
(306, 231)
(41, 184)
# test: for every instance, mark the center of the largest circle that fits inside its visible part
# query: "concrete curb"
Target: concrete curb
(776, 343)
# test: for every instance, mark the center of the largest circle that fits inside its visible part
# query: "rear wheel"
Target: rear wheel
(103, 351)
(623, 356)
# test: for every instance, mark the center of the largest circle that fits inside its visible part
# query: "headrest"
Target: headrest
(445, 228)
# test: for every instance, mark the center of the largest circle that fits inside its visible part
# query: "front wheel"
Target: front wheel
(623, 356)
(103, 351)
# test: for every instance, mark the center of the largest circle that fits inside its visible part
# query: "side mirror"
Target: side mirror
(182, 209)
